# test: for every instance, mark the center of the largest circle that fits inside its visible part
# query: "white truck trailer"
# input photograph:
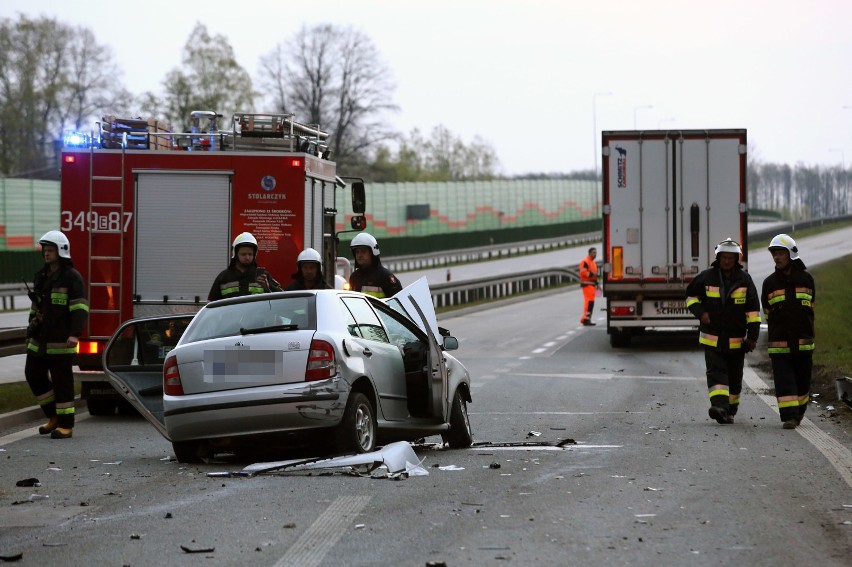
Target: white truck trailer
(668, 198)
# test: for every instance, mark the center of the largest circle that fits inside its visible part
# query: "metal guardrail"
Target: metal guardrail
(485, 253)
(8, 293)
(501, 287)
(12, 341)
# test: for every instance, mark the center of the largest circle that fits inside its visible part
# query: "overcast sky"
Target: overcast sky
(523, 75)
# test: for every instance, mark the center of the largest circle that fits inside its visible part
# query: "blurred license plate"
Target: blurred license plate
(672, 304)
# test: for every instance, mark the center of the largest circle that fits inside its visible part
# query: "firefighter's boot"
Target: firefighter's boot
(721, 415)
(49, 426)
(61, 433)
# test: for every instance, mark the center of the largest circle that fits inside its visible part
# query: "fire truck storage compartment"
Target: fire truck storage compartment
(182, 220)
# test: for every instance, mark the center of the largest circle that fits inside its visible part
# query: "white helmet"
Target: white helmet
(365, 239)
(785, 241)
(309, 255)
(56, 238)
(244, 239)
(729, 245)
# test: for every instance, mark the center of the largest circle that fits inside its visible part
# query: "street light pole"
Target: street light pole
(595, 127)
(637, 109)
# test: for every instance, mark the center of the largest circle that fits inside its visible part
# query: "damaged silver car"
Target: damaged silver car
(290, 368)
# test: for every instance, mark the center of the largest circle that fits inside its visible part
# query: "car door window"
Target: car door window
(399, 333)
(366, 322)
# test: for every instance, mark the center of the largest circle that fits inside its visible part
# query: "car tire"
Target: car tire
(187, 452)
(357, 431)
(460, 435)
(101, 405)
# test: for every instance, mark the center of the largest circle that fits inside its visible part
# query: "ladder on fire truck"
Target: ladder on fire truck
(106, 238)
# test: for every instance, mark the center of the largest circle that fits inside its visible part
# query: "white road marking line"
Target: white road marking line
(839, 456)
(313, 545)
(538, 350)
(548, 345)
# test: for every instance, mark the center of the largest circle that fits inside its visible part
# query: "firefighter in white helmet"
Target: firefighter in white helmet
(370, 276)
(308, 272)
(57, 316)
(788, 297)
(242, 276)
(724, 298)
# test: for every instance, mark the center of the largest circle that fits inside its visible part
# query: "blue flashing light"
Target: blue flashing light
(76, 140)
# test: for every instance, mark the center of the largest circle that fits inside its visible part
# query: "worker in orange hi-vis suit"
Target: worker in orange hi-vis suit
(589, 284)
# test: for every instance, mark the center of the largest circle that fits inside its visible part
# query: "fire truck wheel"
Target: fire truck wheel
(101, 405)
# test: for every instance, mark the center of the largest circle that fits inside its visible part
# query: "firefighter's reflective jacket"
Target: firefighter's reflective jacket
(59, 310)
(375, 280)
(231, 282)
(733, 306)
(788, 302)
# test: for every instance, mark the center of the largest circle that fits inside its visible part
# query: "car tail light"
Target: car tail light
(320, 361)
(171, 378)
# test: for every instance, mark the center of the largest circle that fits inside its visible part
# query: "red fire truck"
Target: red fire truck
(151, 215)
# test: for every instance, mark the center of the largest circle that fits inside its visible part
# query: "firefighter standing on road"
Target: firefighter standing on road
(589, 285)
(370, 276)
(243, 276)
(58, 313)
(309, 272)
(788, 296)
(724, 298)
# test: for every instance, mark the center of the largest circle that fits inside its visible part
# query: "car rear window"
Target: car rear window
(227, 320)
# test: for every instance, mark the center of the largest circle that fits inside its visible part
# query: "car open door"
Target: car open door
(133, 362)
(415, 302)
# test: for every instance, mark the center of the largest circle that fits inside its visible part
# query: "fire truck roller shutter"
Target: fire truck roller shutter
(183, 236)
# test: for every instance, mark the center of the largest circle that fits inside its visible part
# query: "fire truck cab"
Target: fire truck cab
(151, 215)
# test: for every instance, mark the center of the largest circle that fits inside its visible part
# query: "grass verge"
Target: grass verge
(17, 395)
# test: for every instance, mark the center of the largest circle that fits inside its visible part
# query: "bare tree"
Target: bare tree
(210, 79)
(333, 77)
(52, 77)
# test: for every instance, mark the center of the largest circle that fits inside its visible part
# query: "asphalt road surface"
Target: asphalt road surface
(649, 479)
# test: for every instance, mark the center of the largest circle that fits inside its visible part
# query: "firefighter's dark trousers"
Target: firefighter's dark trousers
(724, 378)
(792, 376)
(51, 380)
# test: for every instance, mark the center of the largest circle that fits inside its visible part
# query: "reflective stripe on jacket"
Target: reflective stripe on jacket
(788, 302)
(733, 306)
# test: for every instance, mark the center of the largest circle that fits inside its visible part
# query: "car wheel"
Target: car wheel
(460, 434)
(357, 431)
(101, 405)
(187, 452)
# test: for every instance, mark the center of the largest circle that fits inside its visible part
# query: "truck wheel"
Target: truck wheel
(101, 405)
(187, 452)
(357, 431)
(619, 339)
(460, 435)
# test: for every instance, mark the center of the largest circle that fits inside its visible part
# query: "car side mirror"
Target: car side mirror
(450, 343)
(359, 222)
